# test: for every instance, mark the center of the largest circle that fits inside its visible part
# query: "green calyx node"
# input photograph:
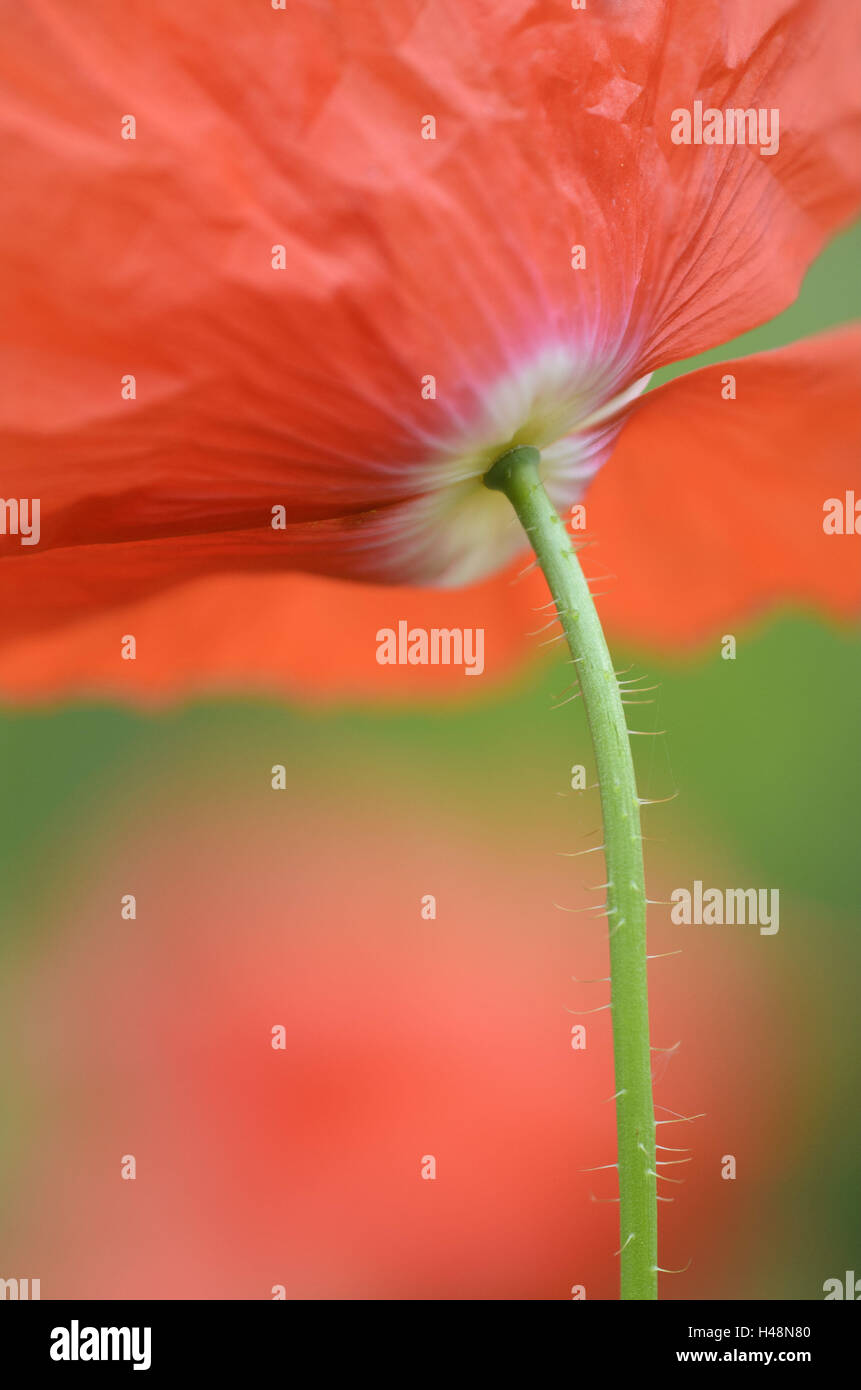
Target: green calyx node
(500, 476)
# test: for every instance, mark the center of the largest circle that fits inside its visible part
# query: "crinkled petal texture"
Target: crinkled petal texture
(318, 308)
(702, 516)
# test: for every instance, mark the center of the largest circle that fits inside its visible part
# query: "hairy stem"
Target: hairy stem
(516, 475)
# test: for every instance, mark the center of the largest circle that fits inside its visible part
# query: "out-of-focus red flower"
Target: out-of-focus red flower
(405, 1038)
(282, 262)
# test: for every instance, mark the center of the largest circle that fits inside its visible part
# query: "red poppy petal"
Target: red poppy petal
(291, 635)
(738, 227)
(712, 509)
(404, 257)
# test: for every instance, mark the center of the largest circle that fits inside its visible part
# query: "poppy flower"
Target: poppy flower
(282, 283)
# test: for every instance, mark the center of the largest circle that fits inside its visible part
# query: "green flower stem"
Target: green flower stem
(516, 475)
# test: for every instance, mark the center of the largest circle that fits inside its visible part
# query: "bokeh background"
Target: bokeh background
(408, 1037)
